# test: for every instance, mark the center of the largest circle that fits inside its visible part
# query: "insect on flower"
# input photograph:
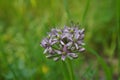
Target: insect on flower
(63, 43)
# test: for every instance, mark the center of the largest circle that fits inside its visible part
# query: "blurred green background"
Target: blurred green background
(24, 23)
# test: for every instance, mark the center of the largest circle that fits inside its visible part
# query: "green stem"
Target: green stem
(71, 72)
(118, 31)
(66, 72)
(67, 9)
(85, 12)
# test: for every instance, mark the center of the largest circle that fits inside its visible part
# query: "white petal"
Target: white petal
(53, 42)
(83, 44)
(82, 36)
(62, 42)
(50, 40)
(69, 44)
(45, 51)
(65, 35)
(73, 55)
(50, 50)
(79, 42)
(82, 30)
(81, 49)
(63, 57)
(76, 45)
(57, 51)
(49, 56)
(77, 35)
(56, 58)
(72, 48)
(70, 36)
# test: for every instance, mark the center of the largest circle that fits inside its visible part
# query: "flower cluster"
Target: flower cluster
(62, 43)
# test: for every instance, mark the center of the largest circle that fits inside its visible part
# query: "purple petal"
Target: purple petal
(57, 51)
(65, 48)
(63, 57)
(53, 31)
(70, 37)
(76, 29)
(53, 42)
(79, 42)
(50, 50)
(44, 42)
(65, 35)
(50, 40)
(77, 35)
(65, 29)
(82, 36)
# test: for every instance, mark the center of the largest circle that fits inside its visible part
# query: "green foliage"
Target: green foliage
(23, 24)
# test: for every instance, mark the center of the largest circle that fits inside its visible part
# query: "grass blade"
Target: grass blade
(104, 65)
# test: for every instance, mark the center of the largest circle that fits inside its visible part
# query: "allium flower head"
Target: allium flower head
(63, 43)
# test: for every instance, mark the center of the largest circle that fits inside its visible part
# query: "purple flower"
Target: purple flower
(65, 53)
(63, 43)
(78, 38)
(47, 44)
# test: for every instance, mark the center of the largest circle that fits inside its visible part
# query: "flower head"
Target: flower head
(63, 43)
